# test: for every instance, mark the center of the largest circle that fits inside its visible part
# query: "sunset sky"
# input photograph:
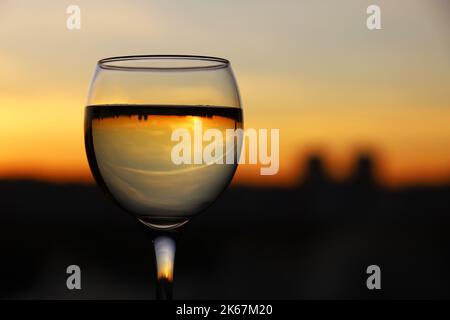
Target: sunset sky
(309, 68)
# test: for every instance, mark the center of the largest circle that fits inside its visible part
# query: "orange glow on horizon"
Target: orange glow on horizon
(248, 175)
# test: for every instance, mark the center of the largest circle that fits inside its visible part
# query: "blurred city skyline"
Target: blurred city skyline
(309, 68)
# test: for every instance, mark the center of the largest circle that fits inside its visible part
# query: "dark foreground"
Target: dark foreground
(313, 241)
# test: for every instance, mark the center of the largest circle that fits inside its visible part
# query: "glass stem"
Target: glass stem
(165, 246)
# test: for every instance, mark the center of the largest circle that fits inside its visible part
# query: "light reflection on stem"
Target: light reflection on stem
(165, 257)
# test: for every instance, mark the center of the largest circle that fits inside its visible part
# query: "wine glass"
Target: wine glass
(146, 136)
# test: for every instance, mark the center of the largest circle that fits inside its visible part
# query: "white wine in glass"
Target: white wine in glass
(134, 105)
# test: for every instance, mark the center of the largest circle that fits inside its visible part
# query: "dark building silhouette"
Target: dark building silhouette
(364, 171)
(315, 172)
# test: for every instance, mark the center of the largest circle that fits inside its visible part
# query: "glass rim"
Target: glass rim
(179, 63)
